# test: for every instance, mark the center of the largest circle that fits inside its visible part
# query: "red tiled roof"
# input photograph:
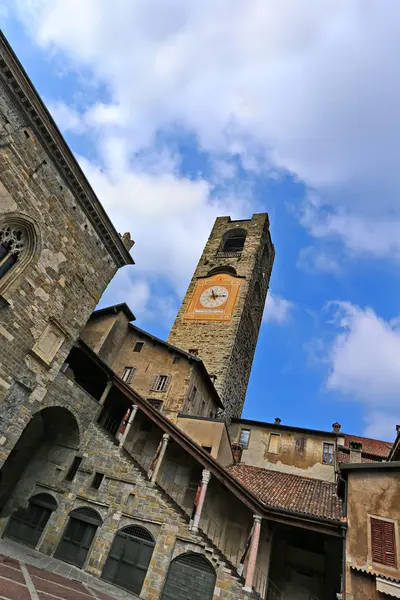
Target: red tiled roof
(344, 457)
(292, 492)
(369, 446)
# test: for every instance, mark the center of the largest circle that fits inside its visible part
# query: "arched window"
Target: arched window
(233, 241)
(223, 269)
(190, 575)
(26, 525)
(78, 536)
(18, 244)
(129, 558)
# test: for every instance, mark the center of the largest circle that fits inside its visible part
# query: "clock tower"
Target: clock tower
(220, 317)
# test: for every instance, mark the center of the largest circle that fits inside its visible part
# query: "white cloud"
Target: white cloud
(311, 87)
(277, 309)
(313, 259)
(364, 365)
(66, 117)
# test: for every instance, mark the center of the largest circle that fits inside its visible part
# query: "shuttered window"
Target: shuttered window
(160, 383)
(383, 542)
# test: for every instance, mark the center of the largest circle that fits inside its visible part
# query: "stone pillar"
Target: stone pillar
(206, 476)
(122, 436)
(106, 392)
(251, 564)
(165, 440)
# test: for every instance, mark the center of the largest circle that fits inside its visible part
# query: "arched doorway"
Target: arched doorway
(26, 525)
(190, 575)
(48, 442)
(78, 536)
(129, 558)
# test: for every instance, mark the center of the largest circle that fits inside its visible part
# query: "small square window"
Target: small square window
(156, 403)
(327, 456)
(176, 360)
(207, 449)
(97, 480)
(138, 346)
(244, 438)
(73, 468)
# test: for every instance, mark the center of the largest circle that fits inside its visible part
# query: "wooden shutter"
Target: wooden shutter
(166, 384)
(131, 374)
(383, 542)
(154, 384)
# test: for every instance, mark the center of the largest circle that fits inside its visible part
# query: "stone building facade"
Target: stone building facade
(244, 251)
(59, 251)
(173, 380)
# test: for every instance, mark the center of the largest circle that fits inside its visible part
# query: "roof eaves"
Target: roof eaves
(23, 90)
(114, 309)
(282, 427)
(384, 465)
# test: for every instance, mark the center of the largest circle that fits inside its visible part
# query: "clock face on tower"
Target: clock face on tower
(214, 298)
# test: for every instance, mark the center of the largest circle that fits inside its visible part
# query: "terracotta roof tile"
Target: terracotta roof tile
(344, 457)
(292, 492)
(369, 446)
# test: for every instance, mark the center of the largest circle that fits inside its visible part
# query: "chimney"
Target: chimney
(355, 452)
(336, 427)
(277, 421)
(237, 451)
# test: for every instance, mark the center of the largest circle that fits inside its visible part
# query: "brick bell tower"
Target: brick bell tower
(220, 316)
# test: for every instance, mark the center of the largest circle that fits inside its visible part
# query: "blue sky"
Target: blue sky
(182, 111)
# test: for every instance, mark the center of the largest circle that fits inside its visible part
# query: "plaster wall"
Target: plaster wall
(288, 458)
(380, 493)
(209, 433)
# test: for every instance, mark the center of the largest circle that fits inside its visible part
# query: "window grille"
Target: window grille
(12, 245)
(138, 532)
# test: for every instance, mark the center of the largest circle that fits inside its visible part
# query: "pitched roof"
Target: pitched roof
(291, 492)
(114, 309)
(369, 446)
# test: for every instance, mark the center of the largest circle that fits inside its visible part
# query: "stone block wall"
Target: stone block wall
(125, 497)
(59, 288)
(227, 348)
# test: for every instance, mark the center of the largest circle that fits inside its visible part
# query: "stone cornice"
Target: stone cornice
(42, 122)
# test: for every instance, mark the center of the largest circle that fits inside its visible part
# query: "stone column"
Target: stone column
(206, 476)
(165, 440)
(251, 564)
(106, 392)
(122, 436)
